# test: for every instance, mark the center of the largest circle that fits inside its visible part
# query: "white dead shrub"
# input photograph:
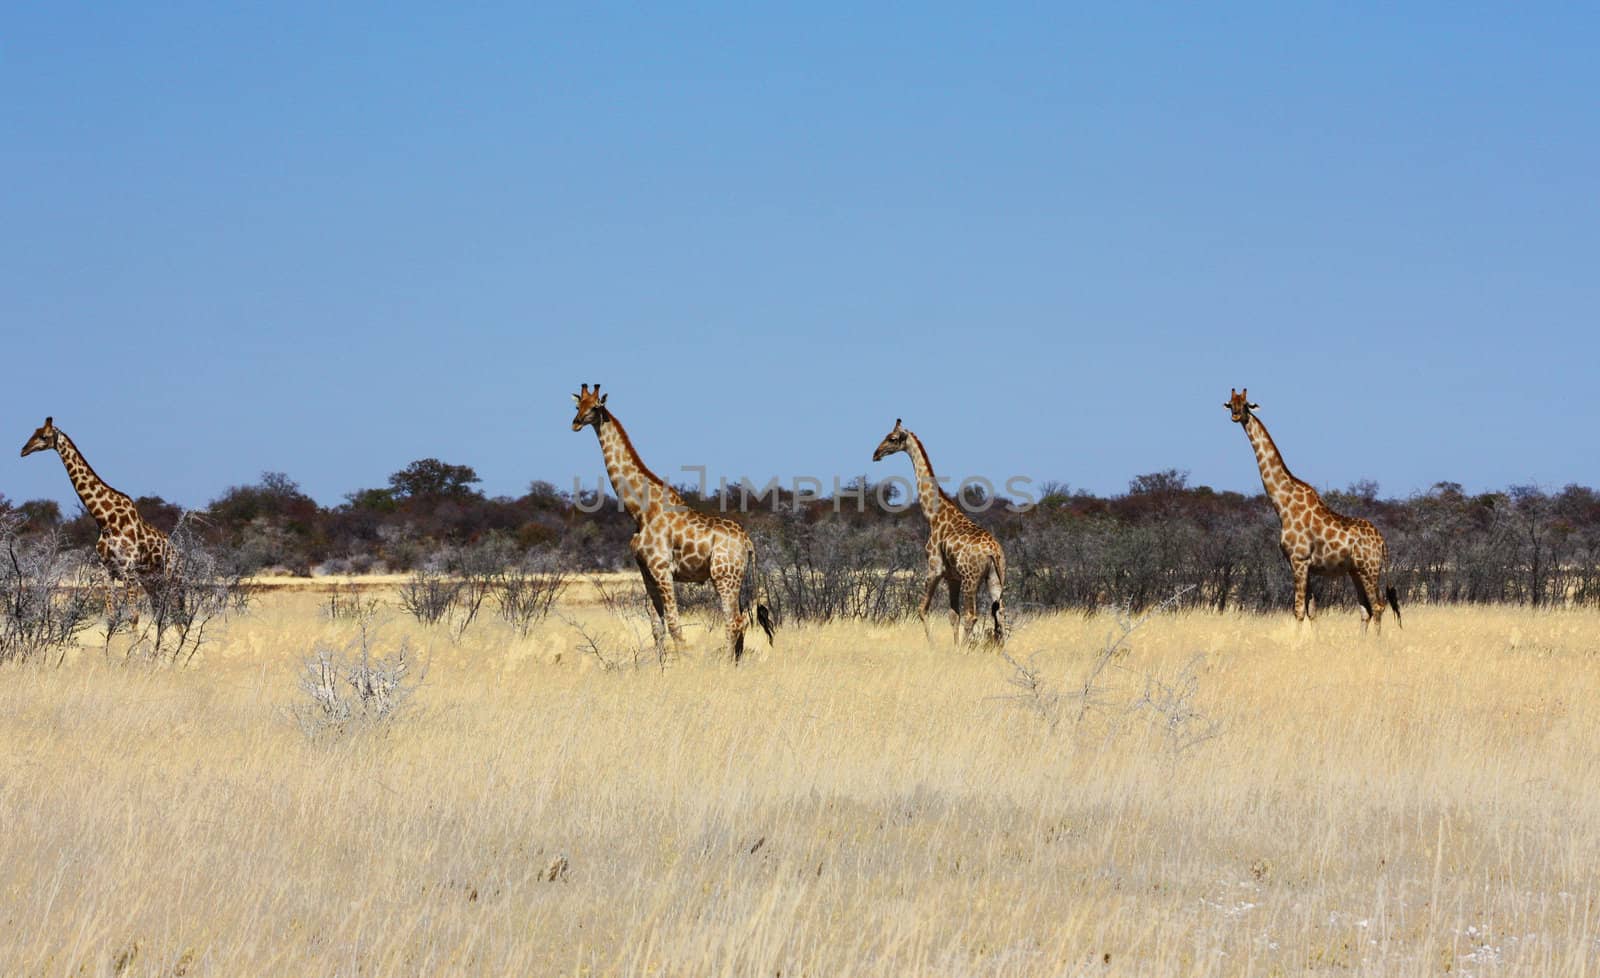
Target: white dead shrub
(353, 686)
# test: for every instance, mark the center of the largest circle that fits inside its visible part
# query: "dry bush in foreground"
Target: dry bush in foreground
(636, 649)
(526, 592)
(48, 593)
(354, 686)
(1167, 703)
(452, 587)
(198, 590)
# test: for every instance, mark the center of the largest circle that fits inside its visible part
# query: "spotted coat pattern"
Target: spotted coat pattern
(1315, 539)
(132, 551)
(673, 542)
(961, 554)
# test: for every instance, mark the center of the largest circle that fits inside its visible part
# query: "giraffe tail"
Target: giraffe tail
(995, 608)
(763, 613)
(1394, 602)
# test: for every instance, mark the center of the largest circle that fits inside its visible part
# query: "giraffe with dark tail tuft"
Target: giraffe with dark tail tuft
(961, 554)
(1315, 539)
(673, 542)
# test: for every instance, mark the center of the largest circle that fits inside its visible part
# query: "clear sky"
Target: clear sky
(328, 239)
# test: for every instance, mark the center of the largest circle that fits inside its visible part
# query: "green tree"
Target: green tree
(431, 480)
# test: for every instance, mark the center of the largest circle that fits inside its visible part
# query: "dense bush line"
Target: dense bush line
(864, 559)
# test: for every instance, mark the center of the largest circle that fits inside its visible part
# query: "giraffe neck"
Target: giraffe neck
(929, 495)
(96, 495)
(633, 481)
(1276, 478)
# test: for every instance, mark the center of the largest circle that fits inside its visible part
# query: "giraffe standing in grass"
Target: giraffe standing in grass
(1315, 539)
(960, 552)
(133, 552)
(673, 542)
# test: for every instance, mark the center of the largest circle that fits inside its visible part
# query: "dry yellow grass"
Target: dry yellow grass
(586, 588)
(857, 802)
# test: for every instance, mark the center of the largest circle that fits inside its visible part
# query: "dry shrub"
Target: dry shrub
(198, 589)
(354, 686)
(1166, 703)
(526, 592)
(47, 591)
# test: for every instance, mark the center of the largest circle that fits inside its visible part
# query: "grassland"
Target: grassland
(858, 801)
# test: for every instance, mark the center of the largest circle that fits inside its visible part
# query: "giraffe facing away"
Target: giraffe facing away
(1315, 539)
(961, 553)
(673, 542)
(133, 551)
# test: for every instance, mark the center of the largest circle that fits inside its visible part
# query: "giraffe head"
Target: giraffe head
(43, 439)
(591, 407)
(1238, 403)
(894, 441)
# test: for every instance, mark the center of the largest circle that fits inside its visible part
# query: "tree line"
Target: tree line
(860, 554)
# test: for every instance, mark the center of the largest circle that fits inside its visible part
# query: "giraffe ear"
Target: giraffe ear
(602, 396)
(1252, 406)
(576, 399)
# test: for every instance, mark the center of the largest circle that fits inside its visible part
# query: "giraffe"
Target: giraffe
(960, 552)
(130, 549)
(1315, 539)
(673, 542)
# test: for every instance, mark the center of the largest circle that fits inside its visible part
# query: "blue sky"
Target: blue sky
(327, 242)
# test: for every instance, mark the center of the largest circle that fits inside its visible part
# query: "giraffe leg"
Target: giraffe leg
(131, 596)
(122, 602)
(1364, 596)
(997, 608)
(728, 591)
(116, 589)
(969, 606)
(929, 586)
(1371, 584)
(1301, 570)
(669, 603)
(108, 582)
(953, 584)
(658, 628)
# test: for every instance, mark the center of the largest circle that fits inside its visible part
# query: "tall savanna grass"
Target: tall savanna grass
(860, 800)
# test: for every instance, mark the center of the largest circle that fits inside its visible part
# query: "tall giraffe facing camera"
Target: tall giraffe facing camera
(1315, 539)
(673, 542)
